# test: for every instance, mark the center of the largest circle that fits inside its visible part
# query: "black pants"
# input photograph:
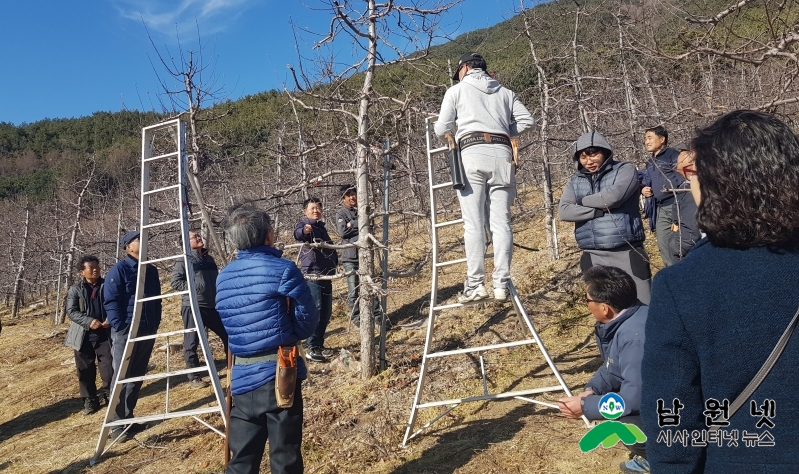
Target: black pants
(191, 340)
(254, 418)
(136, 368)
(639, 449)
(91, 357)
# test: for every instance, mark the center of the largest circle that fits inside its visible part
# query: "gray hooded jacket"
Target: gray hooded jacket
(479, 103)
(603, 205)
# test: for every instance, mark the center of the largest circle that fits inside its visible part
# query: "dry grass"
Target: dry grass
(351, 425)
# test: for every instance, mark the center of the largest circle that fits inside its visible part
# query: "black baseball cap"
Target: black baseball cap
(464, 58)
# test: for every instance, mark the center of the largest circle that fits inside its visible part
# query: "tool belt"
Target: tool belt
(265, 356)
(286, 376)
(482, 138)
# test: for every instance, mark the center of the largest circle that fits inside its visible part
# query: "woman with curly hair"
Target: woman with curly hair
(716, 316)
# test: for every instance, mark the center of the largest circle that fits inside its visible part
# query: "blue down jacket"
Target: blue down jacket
(252, 294)
(119, 296)
(603, 205)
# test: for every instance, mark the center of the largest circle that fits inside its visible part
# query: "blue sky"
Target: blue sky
(63, 59)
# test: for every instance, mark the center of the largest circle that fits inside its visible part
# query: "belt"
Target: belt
(483, 138)
(265, 356)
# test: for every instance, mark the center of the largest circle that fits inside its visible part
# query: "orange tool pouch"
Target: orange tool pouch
(286, 376)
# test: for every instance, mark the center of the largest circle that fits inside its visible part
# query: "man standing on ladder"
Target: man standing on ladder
(119, 299)
(483, 116)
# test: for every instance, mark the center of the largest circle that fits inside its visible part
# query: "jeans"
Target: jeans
(191, 340)
(136, 368)
(490, 189)
(88, 368)
(254, 418)
(322, 294)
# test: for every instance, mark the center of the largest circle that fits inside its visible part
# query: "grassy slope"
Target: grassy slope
(350, 425)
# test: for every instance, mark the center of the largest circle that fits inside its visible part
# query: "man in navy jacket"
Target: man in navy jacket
(264, 303)
(119, 297)
(610, 294)
(662, 170)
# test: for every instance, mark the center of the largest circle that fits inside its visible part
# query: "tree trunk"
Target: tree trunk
(61, 315)
(17, 291)
(578, 84)
(365, 254)
(549, 201)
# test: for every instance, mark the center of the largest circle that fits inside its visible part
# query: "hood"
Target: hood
(588, 140)
(481, 81)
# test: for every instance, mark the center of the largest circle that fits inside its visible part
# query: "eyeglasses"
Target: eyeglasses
(197, 237)
(589, 300)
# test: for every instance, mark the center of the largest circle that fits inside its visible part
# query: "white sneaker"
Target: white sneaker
(500, 294)
(473, 294)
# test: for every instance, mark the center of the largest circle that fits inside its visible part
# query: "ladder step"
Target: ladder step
(450, 262)
(158, 224)
(164, 416)
(160, 190)
(443, 185)
(162, 334)
(163, 375)
(439, 150)
(448, 223)
(481, 348)
(156, 260)
(160, 157)
(455, 401)
(164, 296)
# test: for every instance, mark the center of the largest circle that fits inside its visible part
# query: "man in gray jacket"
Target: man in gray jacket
(89, 334)
(482, 115)
(610, 294)
(347, 227)
(205, 273)
(601, 198)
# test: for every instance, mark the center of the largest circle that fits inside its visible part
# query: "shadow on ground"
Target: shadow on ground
(40, 417)
(456, 448)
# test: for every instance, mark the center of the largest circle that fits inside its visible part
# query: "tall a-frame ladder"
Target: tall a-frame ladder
(436, 307)
(173, 133)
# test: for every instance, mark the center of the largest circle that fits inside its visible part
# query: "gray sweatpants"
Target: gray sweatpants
(490, 188)
(632, 259)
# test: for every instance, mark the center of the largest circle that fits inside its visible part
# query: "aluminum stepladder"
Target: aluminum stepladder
(174, 133)
(436, 307)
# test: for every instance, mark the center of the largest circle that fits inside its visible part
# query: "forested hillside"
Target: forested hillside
(69, 186)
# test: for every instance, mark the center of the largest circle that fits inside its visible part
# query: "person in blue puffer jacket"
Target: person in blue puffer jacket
(601, 198)
(119, 301)
(264, 303)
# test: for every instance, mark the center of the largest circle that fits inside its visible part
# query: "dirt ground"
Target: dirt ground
(351, 425)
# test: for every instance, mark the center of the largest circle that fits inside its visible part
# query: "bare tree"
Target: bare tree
(373, 33)
(17, 297)
(549, 200)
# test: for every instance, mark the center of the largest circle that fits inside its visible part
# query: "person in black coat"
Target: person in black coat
(205, 273)
(717, 315)
(317, 262)
(89, 334)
